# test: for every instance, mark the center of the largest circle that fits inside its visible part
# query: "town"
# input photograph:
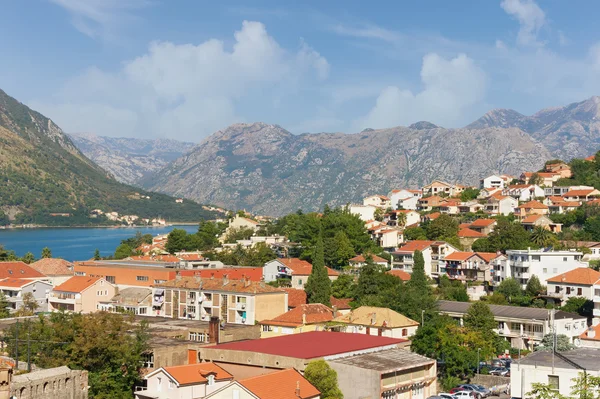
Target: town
(446, 291)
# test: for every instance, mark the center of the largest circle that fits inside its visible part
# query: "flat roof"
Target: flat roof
(515, 312)
(386, 360)
(587, 358)
(310, 345)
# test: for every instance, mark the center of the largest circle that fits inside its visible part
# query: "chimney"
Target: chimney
(246, 282)
(303, 318)
(373, 318)
(298, 389)
(225, 280)
(177, 276)
(334, 310)
(213, 330)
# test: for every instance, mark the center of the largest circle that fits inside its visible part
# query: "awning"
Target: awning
(159, 291)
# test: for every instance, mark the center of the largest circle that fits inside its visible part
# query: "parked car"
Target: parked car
(445, 395)
(471, 388)
(498, 363)
(454, 390)
(466, 395)
(501, 371)
(483, 390)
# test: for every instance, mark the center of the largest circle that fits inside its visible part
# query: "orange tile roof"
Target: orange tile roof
(18, 269)
(548, 174)
(431, 198)
(468, 233)
(433, 216)
(459, 256)
(570, 204)
(595, 329)
(581, 275)
(311, 313)
(197, 373)
(463, 225)
(280, 385)
(15, 282)
(415, 245)
(531, 219)
(341, 303)
(296, 297)
(302, 268)
(578, 193)
(77, 284)
(401, 274)
(591, 158)
(533, 205)
(488, 256)
(53, 267)
(220, 284)
(483, 222)
(361, 259)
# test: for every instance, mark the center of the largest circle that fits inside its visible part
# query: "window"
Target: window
(404, 332)
(535, 258)
(110, 279)
(266, 328)
(564, 259)
(556, 289)
(568, 290)
(159, 383)
(142, 311)
(141, 278)
(579, 291)
(555, 270)
(300, 282)
(545, 270)
(553, 382)
(80, 273)
(211, 380)
(101, 282)
(148, 359)
(171, 384)
(159, 281)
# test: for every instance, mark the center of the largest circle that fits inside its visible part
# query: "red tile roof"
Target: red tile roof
(361, 259)
(53, 267)
(401, 274)
(433, 216)
(304, 314)
(219, 284)
(341, 303)
(311, 345)
(459, 256)
(593, 329)
(15, 282)
(581, 276)
(531, 219)
(296, 297)
(488, 256)
(415, 245)
(280, 385)
(483, 222)
(468, 233)
(579, 193)
(197, 373)
(533, 205)
(302, 268)
(18, 269)
(77, 284)
(591, 158)
(234, 273)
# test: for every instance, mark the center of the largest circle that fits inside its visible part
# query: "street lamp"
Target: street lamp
(422, 317)
(478, 364)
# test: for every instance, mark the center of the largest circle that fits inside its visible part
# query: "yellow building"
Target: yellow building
(371, 320)
(303, 318)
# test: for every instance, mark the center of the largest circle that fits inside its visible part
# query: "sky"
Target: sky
(184, 69)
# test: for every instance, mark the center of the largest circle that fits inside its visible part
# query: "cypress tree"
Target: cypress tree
(318, 286)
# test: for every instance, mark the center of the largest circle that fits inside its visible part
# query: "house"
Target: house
(297, 270)
(559, 370)
(558, 204)
(190, 381)
(433, 252)
(20, 270)
(135, 300)
(303, 318)
(387, 237)
(470, 207)
(239, 222)
(378, 201)
(126, 274)
(401, 274)
(581, 195)
(341, 306)
(449, 206)
(80, 294)
(531, 208)
(492, 181)
(522, 264)
(411, 217)
(15, 289)
(405, 199)
(364, 212)
(233, 301)
(467, 237)
(485, 193)
(428, 203)
(484, 226)
(533, 221)
(283, 384)
(438, 187)
(577, 282)
(57, 270)
(523, 192)
(590, 338)
(296, 297)
(523, 327)
(468, 266)
(429, 217)
(359, 261)
(500, 205)
(372, 320)
(560, 168)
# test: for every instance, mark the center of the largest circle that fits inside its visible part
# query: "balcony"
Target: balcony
(240, 306)
(207, 304)
(61, 299)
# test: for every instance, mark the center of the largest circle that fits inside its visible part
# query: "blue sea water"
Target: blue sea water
(75, 243)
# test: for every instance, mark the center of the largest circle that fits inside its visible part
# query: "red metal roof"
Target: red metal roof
(311, 345)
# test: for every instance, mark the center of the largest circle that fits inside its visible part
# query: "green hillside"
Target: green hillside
(42, 172)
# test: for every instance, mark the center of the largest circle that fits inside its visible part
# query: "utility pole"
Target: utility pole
(29, 347)
(17, 346)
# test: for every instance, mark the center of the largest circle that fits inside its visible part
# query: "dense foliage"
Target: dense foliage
(324, 378)
(318, 285)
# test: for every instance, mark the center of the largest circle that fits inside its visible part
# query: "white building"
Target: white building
(578, 282)
(405, 199)
(493, 181)
(15, 289)
(500, 205)
(522, 264)
(433, 253)
(524, 192)
(379, 201)
(558, 370)
(364, 212)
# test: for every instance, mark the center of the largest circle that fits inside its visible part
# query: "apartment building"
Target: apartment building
(433, 253)
(15, 289)
(80, 294)
(126, 274)
(522, 264)
(405, 199)
(469, 266)
(297, 270)
(233, 301)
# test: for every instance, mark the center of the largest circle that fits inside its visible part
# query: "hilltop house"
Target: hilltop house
(469, 266)
(533, 221)
(359, 261)
(524, 192)
(531, 208)
(493, 181)
(378, 201)
(405, 199)
(499, 204)
(581, 195)
(412, 217)
(364, 212)
(438, 187)
(577, 282)
(427, 204)
(484, 226)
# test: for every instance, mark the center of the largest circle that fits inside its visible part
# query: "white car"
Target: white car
(465, 395)
(447, 395)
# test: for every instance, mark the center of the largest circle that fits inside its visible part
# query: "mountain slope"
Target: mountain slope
(572, 131)
(42, 172)
(266, 169)
(129, 159)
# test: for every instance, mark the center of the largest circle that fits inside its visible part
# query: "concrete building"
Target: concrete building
(469, 266)
(15, 289)
(133, 300)
(371, 320)
(233, 301)
(80, 294)
(438, 187)
(405, 199)
(393, 373)
(500, 205)
(433, 253)
(294, 269)
(126, 274)
(411, 217)
(523, 327)
(578, 282)
(303, 318)
(523, 192)
(522, 264)
(58, 382)
(364, 212)
(492, 181)
(531, 222)
(559, 370)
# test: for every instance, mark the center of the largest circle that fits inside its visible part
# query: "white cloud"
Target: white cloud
(101, 18)
(184, 90)
(530, 16)
(450, 88)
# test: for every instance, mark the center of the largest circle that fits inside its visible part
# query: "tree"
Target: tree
(506, 235)
(123, 251)
(30, 305)
(543, 237)
(46, 252)
(510, 288)
(375, 287)
(208, 235)
(343, 287)
(177, 241)
(97, 254)
(535, 179)
(401, 219)
(4, 306)
(340, 250)
(417, 298)
(560, 343)
(318, 285)
(580, 305)
(469, 194)
(4, 220)
(480, 318)
(445, 226)
(236, 234)
(378, 214)
(415, 233)
(324, 378)
(534, 287)
(28, 258)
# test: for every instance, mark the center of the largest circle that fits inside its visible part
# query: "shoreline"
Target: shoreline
(34, 227)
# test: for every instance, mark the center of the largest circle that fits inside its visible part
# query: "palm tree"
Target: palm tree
(541, 236)
(401, 216)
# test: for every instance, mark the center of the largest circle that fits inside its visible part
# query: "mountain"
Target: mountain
(129, 159)
(43, 173)
(266, 169)
(572, 131)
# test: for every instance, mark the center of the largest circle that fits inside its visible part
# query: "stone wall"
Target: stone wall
(59, 382)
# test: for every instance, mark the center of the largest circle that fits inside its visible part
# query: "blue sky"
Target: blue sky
(184, 69)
